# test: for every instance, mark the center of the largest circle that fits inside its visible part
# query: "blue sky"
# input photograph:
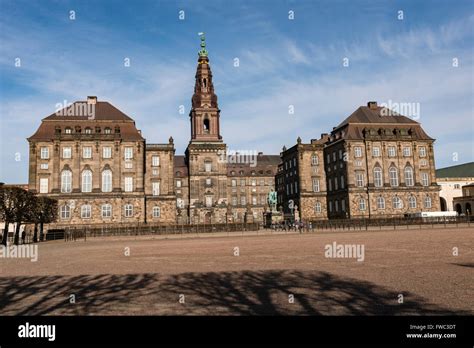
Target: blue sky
(283, 62)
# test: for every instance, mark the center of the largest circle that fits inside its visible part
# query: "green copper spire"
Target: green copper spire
(203, 51)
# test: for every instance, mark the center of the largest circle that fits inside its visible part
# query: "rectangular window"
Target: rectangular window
(67, 152)
(44, 185)
(422, 151)
(155, 188)
(156, 212)
(362, 204)
(208, 167)
(106, 210)
(342, 182)
(359, 179)
(392, 151)
(254, 182)
(334, 156)
(234, 200)
(243, 201)
(155, 161)
(315, 185)
(44, 153)
(328, 158)
(86, 211)
(406, 152)
(357, 151)
(128, 184)
(128, 153)
(208, 201)
(87, 152)
(128, 210)
(254, 200)
(424, 179)
(178, 183)
(376, 151)
(234, 183)
(128, 165)
(106, 152)
(44, 166)
(242, 182)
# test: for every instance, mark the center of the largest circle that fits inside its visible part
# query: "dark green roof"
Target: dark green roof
(460, 171)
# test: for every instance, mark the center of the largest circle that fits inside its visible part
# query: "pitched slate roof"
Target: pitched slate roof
(465, 170)
(102, 111)
(364, 114)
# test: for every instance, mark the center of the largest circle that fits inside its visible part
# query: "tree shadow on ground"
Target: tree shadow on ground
(224, 293)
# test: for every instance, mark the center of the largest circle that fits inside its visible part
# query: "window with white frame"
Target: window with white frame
(254, 200)
(107, 152)
(315, 185)
(234, 182)
(427, 202)
(155, 161)
(66, 181)
(208, 166)
(128, 153)
(180, 203)
(357, 151)
(378, 178)
(106, 210)
(156, 212)
(314, 160)
(86, 211)
(393, 175)
(65, 211)
(178, 183)
(68, 130)
(155, 188)
(359, 179)
(424, 179)
(376, 151)
(317, 207)
(392, 151)
(409, 176)
(86, 184)
(406, 151)
(243, 200)
(380, 202)
(67, 152)
(361, 204)
(234, 200)
(412, 202)
(422, 151)
(44, 166)
(128, 184)
(208, 201)
(107, 180)
(128, 210)
(87, 152)
(397, 203)
(43, 185)
(44, 153)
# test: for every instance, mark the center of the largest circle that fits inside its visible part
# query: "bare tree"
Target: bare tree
(23, 201)
(7, 209)
(45, 211)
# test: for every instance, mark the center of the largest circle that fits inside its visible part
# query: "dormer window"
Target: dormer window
(68, 130)
(107, 130)
(88, 131)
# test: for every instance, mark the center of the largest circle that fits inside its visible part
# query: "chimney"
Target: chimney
(260, 153)
(91, 100)
(372, 105)
(324, 135)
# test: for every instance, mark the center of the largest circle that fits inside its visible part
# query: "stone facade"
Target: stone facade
(375, 165)
(95, 162)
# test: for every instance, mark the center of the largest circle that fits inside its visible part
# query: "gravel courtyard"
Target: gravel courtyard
(272, 275)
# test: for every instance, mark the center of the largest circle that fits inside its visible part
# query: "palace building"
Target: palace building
(375, 164)
(91, 158)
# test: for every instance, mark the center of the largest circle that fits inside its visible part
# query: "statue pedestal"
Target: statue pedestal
(272, 217)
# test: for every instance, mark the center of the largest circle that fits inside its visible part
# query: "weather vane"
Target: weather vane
(203, 51)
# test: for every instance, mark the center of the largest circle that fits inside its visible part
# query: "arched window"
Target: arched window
(206, 126)
(378, 180)
(362, 204)
(397, 203)
(427, 202)
(317, 207)
(380, 202)
(412, 202)
(66, 181)
(393, 173)
(107, 180)
(87, 181)
(409, 176)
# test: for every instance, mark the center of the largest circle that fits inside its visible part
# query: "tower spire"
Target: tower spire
(205, 112)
